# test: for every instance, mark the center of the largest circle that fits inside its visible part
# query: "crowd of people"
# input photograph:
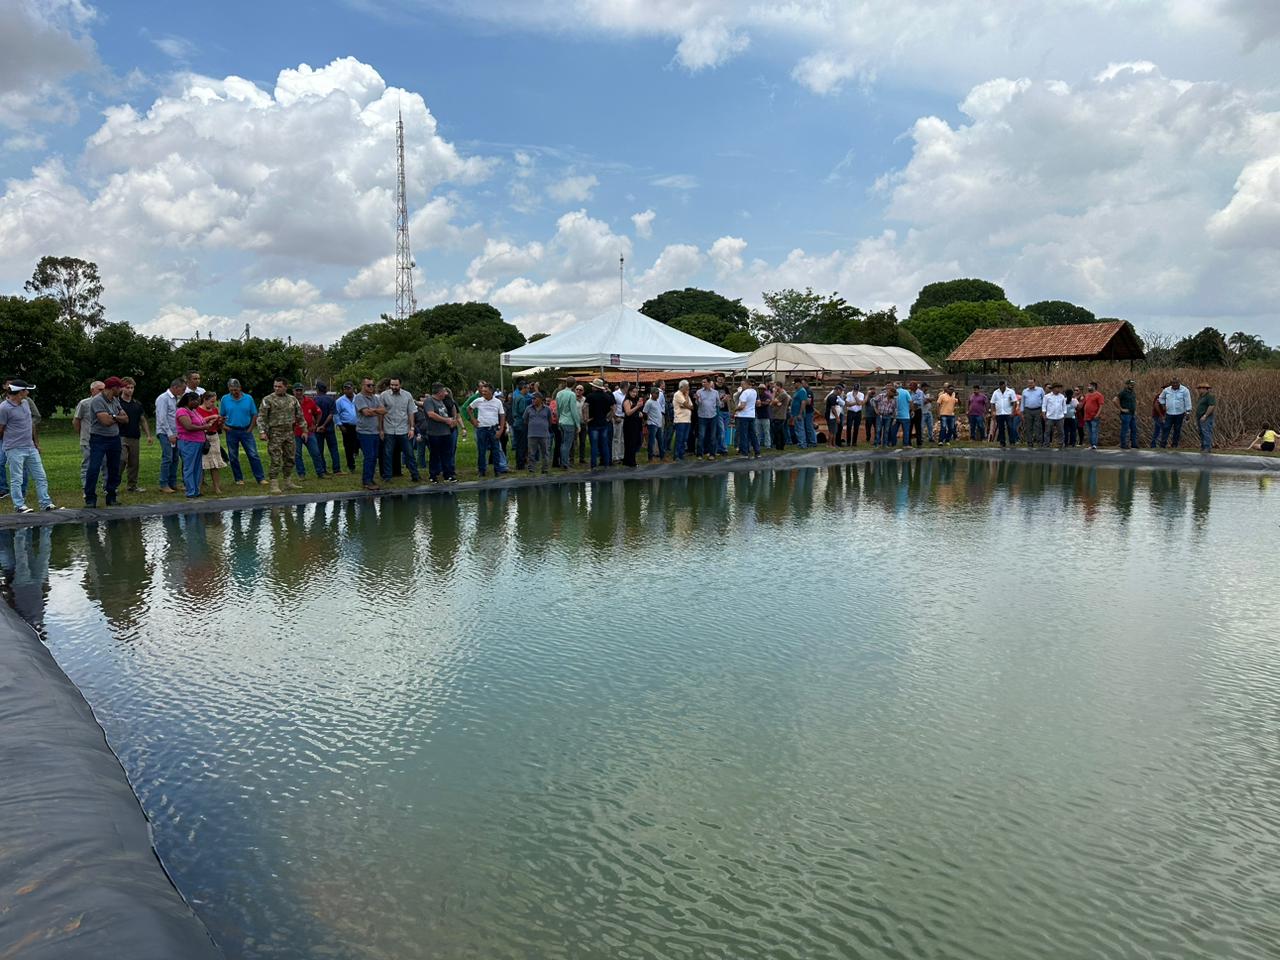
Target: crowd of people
(530, 428)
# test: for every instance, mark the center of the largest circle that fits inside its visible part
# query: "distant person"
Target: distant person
(279, 417)
(632, 424)
(239, 413)
(748, 439)
(926, 416)
(397, 429)
(105, 418)
(833, 414)
(1127, 400)
(615, 422)
(853, 401)
(681, 419)
(708, 400)
(131, 435)
(212, 461)
(599, 411)
(722, 417)
(806, 414)
(34, 411)
(537, 431)
(1054, 408)
(1176, 401)
(327, 425)
(1093, 404)
(442, 421)
(901, 416)
(81, 422)
(521, 398)
(489, 415)
(947, 403)
(886, 405)
(304, 437)
(764, 395)
(917, 413)
(344, 414)
(567, 421)
(1004, 401)
(1033, 414)
(1072, 422)
(20, 438)
(1206, 411)
(192, 383)
(192, 437)
(1265, 440)
(167, 432)
(779, 411)
(655, 421)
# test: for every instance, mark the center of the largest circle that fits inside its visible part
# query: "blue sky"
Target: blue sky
(1126, 157)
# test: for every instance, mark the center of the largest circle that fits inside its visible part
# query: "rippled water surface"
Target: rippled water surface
(925, 709)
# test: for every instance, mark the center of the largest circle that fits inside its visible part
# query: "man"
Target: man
(748, 439)
(901, 416)
(368, 407)
(567, 420)
(977, 413)
(239, 414)
(344, 415)
(1176, 401)
(656, 421)
(327, 426)
(19, 437)
(537, 422)
(31, 407)
(131, 435)
(1127, 399)
(833, 413)
(853, 401)
(810, 432)
(1205, 411)
(1055, 412)
(1159, 424)
(779, 411)
(105, 418)
(439, 432)
(304, 434)
(279, 419)
(947, 402)
(397, 428)
(81, 422)
(490, 418)
(708, 401)
(520, 401)
(600, 406)
(1093, 402)
(192, 383)
(1003, 402)
(917, 415)
(1033, 414)
(764, 396)
(886, 404)
(167, 432)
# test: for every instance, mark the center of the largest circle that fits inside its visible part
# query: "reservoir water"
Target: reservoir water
(928, 709)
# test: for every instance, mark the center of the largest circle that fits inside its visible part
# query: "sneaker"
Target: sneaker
(5, 495)
(24, 510)
(451, 479)
(239, 483)
(136, 490)
(49, 508)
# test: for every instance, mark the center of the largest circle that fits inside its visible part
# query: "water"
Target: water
(931, 709)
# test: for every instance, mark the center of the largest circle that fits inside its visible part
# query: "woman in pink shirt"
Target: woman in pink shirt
(192, 432)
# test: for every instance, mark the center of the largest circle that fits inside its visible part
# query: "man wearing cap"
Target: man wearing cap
(1205, 411)
(19, 439)
(279, 415)
(1128, 402)
(105, 418)
(327, 425)
(397, 427)
(1176, 401)
(239, 413)
(35, 421)
(304, 434)
(80, 422)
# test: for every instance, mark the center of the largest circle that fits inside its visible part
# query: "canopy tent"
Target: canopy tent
(627, 340)
(833, 358)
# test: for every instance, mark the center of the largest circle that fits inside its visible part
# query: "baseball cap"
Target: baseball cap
(113, 383)
(17, 386)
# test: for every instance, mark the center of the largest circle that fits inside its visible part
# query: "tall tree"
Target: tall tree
(953, 291)
(118, 350)
(941, 329)
(35, 346)
(1247, 346)
(1058, 312)
(787, 315)
(1208, 348)
(75, 285)
(668, 306)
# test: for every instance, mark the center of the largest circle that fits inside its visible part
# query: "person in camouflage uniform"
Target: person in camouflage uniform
(278, 414)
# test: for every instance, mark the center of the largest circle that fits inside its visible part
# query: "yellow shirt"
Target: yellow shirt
(681, 408)
(1268, 436)
(947, 405)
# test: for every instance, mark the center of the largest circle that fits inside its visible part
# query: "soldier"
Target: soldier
(278, 414)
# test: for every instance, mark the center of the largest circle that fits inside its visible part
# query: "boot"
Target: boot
(292, 484)
(275, 485)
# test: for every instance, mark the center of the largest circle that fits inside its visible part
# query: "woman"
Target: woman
(191, 440)
(632, 425)
(1069, 421)
(580, 392)
(682, 417)
(212, 461)
(1265, 441)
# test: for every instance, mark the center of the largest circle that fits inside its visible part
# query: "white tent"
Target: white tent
(625, 339)
(833, 358)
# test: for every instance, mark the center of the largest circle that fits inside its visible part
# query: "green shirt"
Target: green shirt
(466, 408)
(1207, 401)
(567, 408)
(1128, 400)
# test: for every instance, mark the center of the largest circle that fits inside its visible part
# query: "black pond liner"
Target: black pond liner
(79, 876)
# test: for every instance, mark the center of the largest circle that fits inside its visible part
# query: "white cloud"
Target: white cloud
(587, 249)
(573, 189)
(824, 72)
(710, 44)
(1252, 218)
(501, 257)
(318, 323)
(726, 255)
(281, 292)
(676, 181)
(643, 222)
(172, 46)
(42, 44)
(378, 279)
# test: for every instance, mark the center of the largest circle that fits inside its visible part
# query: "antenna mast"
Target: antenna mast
(621, 281)
(406, 302)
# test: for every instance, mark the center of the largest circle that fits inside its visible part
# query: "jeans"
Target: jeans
(810, 434)
(1173, 429)
(521, 436)
(748, 439)
(926, 424)
(313, 448)
(601, 445)
(1015, 427)
(1159, 431)
(329, 440)
(798, 435)
(916, 422)
(778, 427)
(488, 450)
(1004, 426)
(537, 450)
(763, 432)
(20, 478)
(977, 429)
(368, 457)
(350, 444)
(192, 466)
(1128, 431)
(568, 437)
(236, 438)
(655, 441)
(1206, 433)
(852, 420)
(1092, 426)
(24, 463)
(905, 424)
(1069, 438)
(707, 428)
(946, 428)
(441, 450)
(682, 440)
(396, 446)
(168, 461)
(722, 432)
(100, 449)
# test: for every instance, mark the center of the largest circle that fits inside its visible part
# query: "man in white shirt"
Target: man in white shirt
(1055, 412)
(1176, 400)
(748, 439)
(491, 424)
(1003, 403)
(853, 400)
(615, 422)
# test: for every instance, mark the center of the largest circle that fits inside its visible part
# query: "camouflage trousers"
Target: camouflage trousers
(280, 454)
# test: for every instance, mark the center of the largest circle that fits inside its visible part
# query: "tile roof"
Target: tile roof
(1113, 341)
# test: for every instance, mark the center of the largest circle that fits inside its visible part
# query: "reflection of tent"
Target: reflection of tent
(833, 358)
(625, 339)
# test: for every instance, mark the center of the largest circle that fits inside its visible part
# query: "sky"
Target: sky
(234, 163)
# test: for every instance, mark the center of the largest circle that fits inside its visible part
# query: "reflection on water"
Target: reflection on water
(920, 708)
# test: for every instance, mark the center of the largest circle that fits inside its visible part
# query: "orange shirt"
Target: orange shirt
(947, 404)
(1093, 404)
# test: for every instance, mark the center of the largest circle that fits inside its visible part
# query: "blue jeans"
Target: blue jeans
(1128, 431)
(1173, 429)
(682, 440)
(369, 447)
(905, 424)
(489, 450)
(882, 430)
(810, 432)
(1015, 426)
(313, 448)
(926, 424)
(601, 439)
(1092, 426)
(762, 431)
(748, 439)
(655, 442)
(393, 448)
(24, 464)
(441, 448)
(707, 427)
(568, 440)
(20, 478)
(946, 429)
(192, 466)
(1206, 433)
(977, 429)
(1159, 430)
(238, 437)
(327, 439)
(722, 432)
(168, 461)
(102, 449)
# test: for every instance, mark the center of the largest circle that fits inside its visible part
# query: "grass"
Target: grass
(60, 451)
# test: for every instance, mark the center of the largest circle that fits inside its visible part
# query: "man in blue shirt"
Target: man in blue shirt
(344, 415)
(519, 401)
(707, 401)
(240, 414)
(1033, 414)
(1176, 400)
(902, 416)
(806, 434)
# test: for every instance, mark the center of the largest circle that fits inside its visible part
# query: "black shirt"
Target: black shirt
(599, 406)
(133, 428)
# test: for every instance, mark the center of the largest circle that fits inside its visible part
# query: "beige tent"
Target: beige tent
(833, 358)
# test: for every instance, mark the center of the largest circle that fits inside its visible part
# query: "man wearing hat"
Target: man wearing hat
(600, 404)
(105, 417)
(1205, 410)
(18, 438)
(1128, 401)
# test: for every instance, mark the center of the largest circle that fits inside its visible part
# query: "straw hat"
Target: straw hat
(598, 383)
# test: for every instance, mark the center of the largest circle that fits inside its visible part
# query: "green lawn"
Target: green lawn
(60, 451)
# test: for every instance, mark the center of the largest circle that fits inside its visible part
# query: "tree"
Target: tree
(1058, 312)
(37, 347)
(740, 341)
(75, 285)
(537, 336)
(117, 350)
(787, 315)
(882, 329)
(1208, 348)
(667, 307)
(940, 330)
(953, 291)
(1247, 346)
(255, 363)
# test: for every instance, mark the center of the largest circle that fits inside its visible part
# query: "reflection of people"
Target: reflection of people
(24, 564)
